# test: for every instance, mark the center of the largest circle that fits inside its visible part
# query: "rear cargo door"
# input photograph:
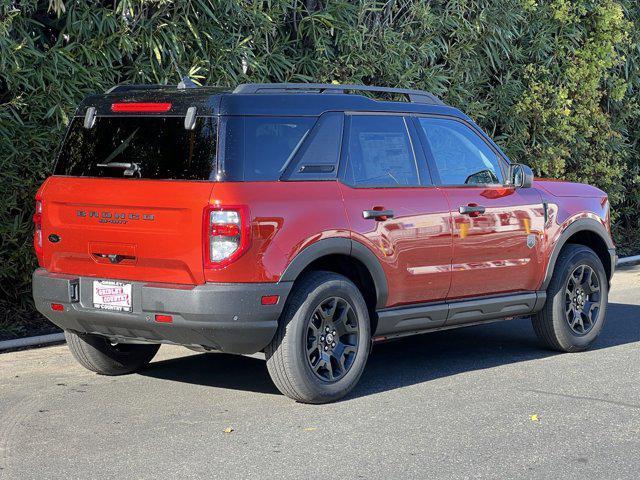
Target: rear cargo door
(128, 198)
(125, 229)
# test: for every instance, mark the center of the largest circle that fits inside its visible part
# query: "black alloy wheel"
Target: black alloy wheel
(332, 339)
(323, 339)
(576, 303)
(582, 299)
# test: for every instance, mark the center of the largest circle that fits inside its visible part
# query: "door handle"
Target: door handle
(113, 258)
(473, 210)
(378, 215)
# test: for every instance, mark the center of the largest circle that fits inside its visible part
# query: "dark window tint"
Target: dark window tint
(139, 147)
(260, 148)
(461, 156)
(317, 159)
(380, 153)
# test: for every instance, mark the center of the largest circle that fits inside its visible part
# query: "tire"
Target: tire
(97, 354)
(296, 357)
(553, 323)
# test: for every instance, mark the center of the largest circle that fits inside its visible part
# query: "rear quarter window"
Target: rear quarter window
(260, 148)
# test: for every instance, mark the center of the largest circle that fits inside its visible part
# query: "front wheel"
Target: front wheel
(323, 340)
(99, 355)
(574, 313)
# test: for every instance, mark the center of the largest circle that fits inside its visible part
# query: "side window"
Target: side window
(260, 148)
(460, 155)
(317, 159)
(379, 153)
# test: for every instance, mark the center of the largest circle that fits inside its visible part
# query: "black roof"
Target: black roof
(269, 99)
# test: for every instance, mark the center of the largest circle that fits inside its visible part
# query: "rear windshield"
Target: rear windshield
(140, 147)
(260, 148)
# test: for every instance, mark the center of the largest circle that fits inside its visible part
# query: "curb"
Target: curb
(628, 260)
(31, 341)
(59, 337)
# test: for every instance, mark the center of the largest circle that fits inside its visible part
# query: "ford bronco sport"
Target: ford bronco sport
(306, 221)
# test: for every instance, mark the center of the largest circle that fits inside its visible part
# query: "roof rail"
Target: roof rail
(185, 83)
(127, 88)
(415, 96)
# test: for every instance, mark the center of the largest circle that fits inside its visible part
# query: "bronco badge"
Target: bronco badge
(531, 240)
(114, 217)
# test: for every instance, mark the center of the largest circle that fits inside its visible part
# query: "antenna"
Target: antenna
(185, 81)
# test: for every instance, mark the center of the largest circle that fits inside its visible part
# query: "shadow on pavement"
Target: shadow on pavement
(406, 361)
(215, 370)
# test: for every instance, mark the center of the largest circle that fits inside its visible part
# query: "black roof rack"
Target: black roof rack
(185, 83)
(415, 96)
(127, 88)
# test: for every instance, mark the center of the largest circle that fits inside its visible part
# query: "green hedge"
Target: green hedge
(554, 81)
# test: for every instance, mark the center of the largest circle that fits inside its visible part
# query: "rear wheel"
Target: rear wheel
(574, 313)
(321, 347)
(99, 355)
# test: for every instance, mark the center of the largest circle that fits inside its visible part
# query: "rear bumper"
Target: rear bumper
(227, 317)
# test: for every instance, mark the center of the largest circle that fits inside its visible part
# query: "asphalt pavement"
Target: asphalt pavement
(479, 402)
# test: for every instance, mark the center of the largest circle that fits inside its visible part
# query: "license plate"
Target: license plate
(109, 295)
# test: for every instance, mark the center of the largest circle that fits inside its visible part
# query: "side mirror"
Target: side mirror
(521, 176)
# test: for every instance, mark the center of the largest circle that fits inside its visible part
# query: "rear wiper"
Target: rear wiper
(130, 168)
(116, 165)
(118, 150)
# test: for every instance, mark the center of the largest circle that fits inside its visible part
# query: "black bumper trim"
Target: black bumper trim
(221, 316)
(613, 259)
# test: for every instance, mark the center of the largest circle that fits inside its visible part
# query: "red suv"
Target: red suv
(307, 221)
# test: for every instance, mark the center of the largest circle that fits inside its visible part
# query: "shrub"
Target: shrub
(555, 82)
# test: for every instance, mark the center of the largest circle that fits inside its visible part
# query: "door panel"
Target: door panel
(497, 251)
(392, 211)
(414, 247)
(497, 230)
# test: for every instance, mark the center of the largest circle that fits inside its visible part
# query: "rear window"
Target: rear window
(260, 148)
(140, 147)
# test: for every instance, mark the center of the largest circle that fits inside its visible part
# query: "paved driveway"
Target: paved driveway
(478, 402)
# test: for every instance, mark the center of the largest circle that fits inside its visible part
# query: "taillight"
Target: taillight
(226, 234)
(37, 231)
